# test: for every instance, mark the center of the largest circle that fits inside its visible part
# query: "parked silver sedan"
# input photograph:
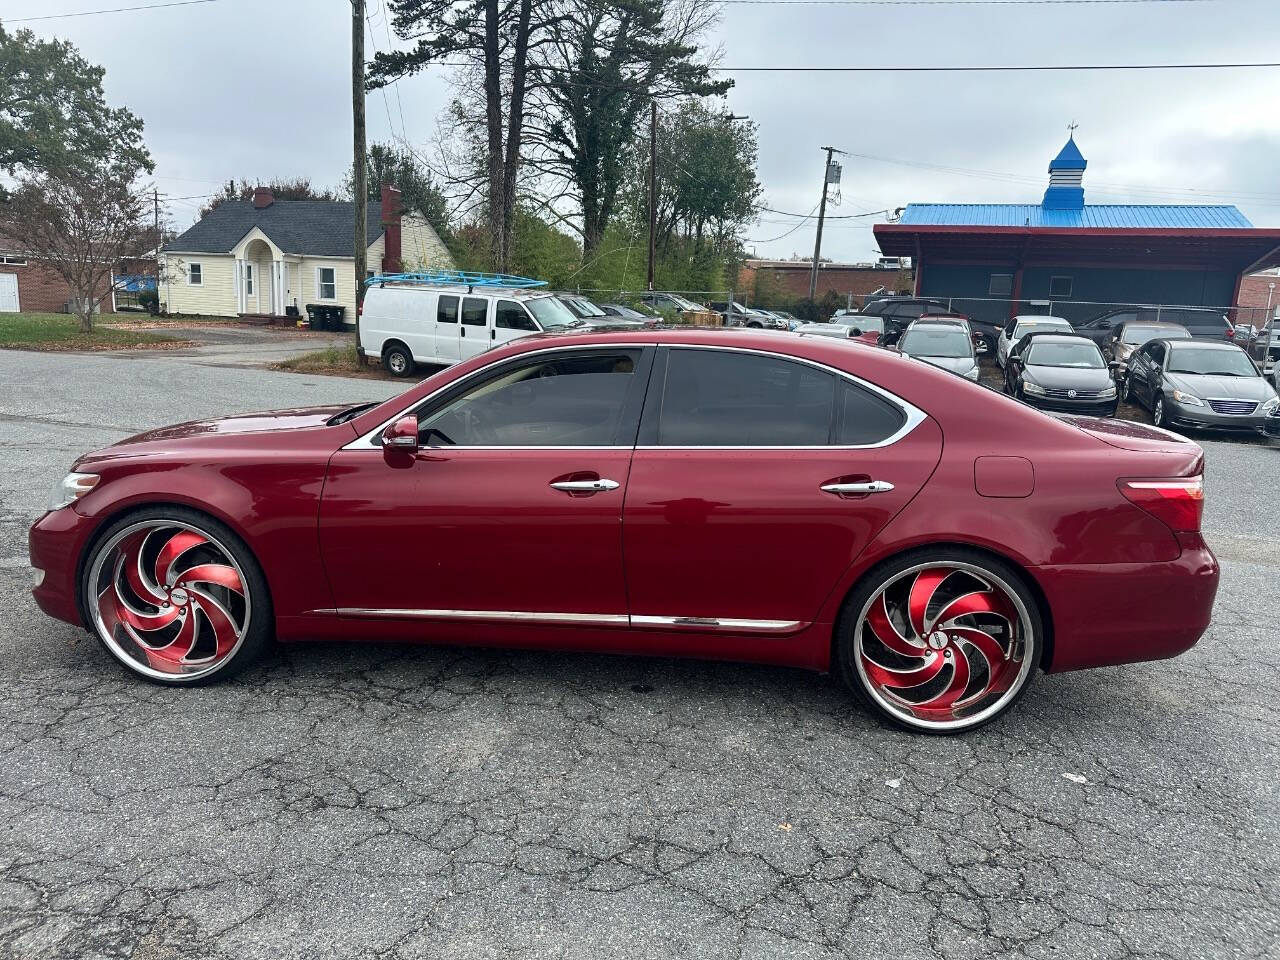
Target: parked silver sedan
(948, 345)
(1200, 384)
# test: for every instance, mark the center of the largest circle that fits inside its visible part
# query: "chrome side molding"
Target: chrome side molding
(720, 624)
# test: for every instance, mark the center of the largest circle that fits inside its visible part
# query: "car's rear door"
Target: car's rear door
(510, 510)
(757, 480)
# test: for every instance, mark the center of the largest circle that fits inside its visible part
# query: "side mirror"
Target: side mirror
(401, 437)
(1117, 369)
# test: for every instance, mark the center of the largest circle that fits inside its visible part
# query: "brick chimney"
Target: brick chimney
(391, 230)
(263, 198)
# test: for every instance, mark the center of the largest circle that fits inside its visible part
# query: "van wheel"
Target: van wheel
(397, 360)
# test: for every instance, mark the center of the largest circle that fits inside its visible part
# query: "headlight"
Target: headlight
(1270, 406)
(72, 488)
(1187, 399)
(1033, 388)
(1108, 392)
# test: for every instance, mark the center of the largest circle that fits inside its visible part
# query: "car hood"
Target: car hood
(241, 423)
(1225, 388)
(954, 364)
(1069, 378)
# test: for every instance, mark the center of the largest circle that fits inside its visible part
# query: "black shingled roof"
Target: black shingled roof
(318, 228)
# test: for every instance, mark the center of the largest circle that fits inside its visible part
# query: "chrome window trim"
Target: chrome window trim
(914, 416)
(726, 624)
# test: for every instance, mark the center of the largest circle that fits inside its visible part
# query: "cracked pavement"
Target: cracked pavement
(397, 802)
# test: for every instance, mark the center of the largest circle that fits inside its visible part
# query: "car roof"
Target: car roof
(1056, 337)
(1183, 344)
(1040, 318)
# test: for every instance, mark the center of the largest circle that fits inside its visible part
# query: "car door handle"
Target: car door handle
(585, 486)
(857, 489)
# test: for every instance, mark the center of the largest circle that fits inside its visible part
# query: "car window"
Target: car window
(574, 401)
(865, 418)
(1156, 352)
(936, 341)
(474, 311)
(509, 315)
(716, 398)
(1207, 361)
(876, 308)
(1141, 333)
(1083, 354)
(447, 309)
(936, 308)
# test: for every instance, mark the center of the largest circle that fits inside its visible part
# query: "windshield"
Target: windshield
(551, 313)
(1026, 326)
(1207, 361)
(1136, 336)
(936, 342)
(1065, 355)
(583, 307)
(863, 323)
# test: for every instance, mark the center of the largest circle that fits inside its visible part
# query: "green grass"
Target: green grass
(60, 331)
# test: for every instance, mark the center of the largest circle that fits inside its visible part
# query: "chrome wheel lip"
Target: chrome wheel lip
(1030, 650)
(105, 550)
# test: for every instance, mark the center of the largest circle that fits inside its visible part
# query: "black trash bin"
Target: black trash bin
(325, 316)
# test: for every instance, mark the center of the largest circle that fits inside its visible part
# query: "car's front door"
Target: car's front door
(509, 511)
(1141, 370)
(474, 336)
(510, 321)
(756, 482)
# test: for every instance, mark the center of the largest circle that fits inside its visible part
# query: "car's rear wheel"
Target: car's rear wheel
(940, 640)
(1157, 413)
(176, 597)
(1124, 390)
(397, 360)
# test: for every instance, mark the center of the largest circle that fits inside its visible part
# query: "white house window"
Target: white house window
(327, 283)
(1001, 285)
(195, 274)
(14, 261)
(248, 279)
(1060, 287)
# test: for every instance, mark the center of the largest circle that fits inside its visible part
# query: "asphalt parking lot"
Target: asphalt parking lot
(417, 802)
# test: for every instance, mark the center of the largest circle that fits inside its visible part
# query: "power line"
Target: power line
(94, 13)
(947, 3)
(1004, 68)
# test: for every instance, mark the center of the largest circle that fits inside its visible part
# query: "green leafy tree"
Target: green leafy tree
(596, 72)
(54, 116)
(282, 188)
(418, 191)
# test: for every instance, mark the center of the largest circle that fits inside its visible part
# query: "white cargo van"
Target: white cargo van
(408, 322)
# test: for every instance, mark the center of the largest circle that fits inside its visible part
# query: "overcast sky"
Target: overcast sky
(247, 88)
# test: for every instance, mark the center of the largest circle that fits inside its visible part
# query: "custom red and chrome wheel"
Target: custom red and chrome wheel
(169, 599)
(943, 644)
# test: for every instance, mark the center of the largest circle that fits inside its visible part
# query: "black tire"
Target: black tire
(754, 325)
(1157, 414)
(258, 626)
(1126, 394)
(999, 574)
(397, 359)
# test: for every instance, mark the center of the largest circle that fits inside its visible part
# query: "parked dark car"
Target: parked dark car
(1193, 383)
(624, 312)
(1061, 371)
(1204, 323)
(590, 314)
(1132, 334)
(1265, 349)
(736, 315)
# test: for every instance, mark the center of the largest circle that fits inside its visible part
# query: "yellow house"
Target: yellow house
(264, 256)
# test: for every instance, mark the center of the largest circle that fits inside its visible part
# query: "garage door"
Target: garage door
(8, 293)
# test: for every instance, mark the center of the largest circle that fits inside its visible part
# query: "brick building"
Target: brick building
(788, 281)
(1259, 299)
(32, 287)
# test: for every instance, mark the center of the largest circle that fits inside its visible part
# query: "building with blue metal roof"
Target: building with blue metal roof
(1077, 259)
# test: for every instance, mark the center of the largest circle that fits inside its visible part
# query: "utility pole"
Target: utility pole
(653, 187)
(155, 199)
(822, 212)
(360, 172)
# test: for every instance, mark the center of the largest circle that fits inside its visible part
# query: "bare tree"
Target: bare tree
(79, 224)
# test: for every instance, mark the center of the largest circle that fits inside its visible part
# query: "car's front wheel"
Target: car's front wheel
(398, 360)
(940, 640)
(176, 597)
(1157, 413)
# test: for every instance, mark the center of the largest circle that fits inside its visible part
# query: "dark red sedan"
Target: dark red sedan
(728, 494)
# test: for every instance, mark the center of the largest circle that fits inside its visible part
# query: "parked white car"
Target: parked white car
(1020, 326)
(408, 323)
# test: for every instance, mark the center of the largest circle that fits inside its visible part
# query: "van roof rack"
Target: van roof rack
(455, 278)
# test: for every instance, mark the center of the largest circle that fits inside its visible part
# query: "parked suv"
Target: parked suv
(1203, 323)
(899, 312)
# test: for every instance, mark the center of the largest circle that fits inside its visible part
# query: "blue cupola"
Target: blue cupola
(1066, 179)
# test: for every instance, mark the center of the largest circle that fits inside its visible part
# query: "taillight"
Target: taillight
(1178, 503)
(1231, 334)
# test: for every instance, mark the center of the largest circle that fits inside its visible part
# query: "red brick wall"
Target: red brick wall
(1253, 290)
(793, 281)
(40, 290)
